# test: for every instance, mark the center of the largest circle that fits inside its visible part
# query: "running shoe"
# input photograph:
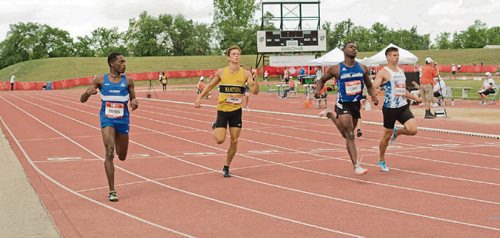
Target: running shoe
(113, 197)
(359, 133)
(225, 172)
(393, 137)
(213, 125)
(383, 166)
(360, 170)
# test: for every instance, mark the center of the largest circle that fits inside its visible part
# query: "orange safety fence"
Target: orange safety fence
(69, 83)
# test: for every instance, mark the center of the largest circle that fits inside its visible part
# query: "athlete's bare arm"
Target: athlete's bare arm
(207, 89)
(251, 79)
(134, 104)
(332, 72)
(380, 78)
(96, 84)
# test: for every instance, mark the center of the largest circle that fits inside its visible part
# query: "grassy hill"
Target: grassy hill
(71, 67)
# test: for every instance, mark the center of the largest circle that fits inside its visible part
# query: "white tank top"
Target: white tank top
(395, 89)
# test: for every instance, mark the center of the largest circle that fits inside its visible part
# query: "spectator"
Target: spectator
(201, 86)
(291, 87)
(439, 91)
(489, 87)
(453, 71)
(163, 81)
(12, 82)
(429, 72)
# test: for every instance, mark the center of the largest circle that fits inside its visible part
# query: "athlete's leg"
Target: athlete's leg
(233, 147)
(384, 142)
(410, 128)
(329, 114)
(108, 137)
(220, 135)
(346, 127)
(121, 144)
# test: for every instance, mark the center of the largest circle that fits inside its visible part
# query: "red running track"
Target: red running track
(292, 176)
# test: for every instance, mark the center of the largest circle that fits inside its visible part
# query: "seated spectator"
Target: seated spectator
(201, 86)
(489, 87)
(439, 91)
(291, 87)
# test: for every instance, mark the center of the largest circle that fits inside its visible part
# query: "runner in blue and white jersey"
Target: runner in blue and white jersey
(396, 108)
(116, 91)
(351, 79)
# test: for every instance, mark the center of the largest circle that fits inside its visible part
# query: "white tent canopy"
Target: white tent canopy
(405, 57)
(333, 57)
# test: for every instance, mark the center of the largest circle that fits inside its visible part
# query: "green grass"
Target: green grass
(73, 67)
(54, 69)
(475, 85)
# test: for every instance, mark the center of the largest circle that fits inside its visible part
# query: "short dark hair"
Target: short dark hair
(390, 49)
(233, 47)
(112, 57)
(345, 44)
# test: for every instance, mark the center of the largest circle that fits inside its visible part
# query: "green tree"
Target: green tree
(28, 41)
(148, 35)
(107, 40)
(234, 24)
(443, 41)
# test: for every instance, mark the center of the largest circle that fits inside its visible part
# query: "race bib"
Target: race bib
(114, 110)
(234, 100)
(353, 87)
(399, 89)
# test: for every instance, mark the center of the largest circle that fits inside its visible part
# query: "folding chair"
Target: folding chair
(492, 97)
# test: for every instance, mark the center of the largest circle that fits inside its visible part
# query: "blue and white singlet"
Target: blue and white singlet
(114, 98)
(350, 83)
(395, 89)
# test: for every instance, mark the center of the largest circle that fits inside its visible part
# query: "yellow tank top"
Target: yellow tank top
(231, 89)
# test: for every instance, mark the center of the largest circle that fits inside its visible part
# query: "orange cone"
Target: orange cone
(308, 103)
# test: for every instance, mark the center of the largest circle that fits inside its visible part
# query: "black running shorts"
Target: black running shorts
(391, 115)
(232, 118)
(351, 108)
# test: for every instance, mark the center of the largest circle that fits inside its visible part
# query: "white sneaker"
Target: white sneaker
(360, 170)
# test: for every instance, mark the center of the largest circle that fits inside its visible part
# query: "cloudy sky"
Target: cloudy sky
(79, 18)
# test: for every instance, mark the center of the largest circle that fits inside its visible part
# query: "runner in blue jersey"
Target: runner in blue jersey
(396, 107)
(116, 91)
(351, 79)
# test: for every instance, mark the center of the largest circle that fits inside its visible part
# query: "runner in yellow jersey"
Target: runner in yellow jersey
(231, 80)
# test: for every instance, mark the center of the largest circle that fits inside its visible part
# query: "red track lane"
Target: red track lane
(284, 186)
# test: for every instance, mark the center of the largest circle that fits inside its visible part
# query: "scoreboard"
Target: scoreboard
(291, 41)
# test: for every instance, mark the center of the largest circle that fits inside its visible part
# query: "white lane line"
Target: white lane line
(64, 158)
(311, 193)
(312, 171)
(168, 186)
(46, 176)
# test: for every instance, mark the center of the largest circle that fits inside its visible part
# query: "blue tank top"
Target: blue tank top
(350, 83)
(114, 98)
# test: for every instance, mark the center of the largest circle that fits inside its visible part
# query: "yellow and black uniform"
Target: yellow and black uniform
(231, 90)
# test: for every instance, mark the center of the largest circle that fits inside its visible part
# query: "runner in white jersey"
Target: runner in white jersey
(396, 107)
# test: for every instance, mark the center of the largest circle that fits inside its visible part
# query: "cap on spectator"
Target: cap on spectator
(428, 60)
(487, 74)
(202, 78)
